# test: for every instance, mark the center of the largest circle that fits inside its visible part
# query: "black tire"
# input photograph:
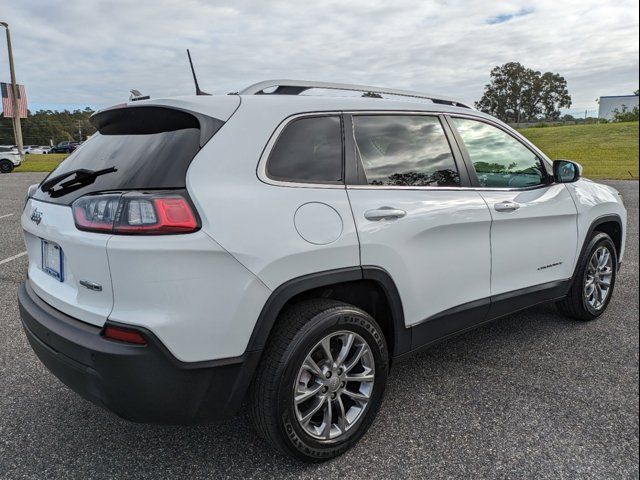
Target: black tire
(576, 304)
(295, 336)
(6, 166)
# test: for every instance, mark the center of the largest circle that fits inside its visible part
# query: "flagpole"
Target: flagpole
(17, 127)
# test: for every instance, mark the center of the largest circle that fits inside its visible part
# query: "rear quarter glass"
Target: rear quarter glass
(150, 147)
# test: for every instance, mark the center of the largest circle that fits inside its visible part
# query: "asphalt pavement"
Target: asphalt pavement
(533, 395)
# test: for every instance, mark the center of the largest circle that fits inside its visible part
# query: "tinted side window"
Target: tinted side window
(308, 150)
(498, 158)
(404, 150)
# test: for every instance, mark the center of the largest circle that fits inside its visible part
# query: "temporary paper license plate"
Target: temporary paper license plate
(52, 260)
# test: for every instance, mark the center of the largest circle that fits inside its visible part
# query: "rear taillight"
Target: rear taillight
(135, 213)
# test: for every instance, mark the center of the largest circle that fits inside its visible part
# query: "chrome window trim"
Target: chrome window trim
(262, 164)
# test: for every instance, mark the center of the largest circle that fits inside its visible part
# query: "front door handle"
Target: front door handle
(506, 206)
(384, 213)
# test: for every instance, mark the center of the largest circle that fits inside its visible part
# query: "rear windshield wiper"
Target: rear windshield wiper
(81, 176)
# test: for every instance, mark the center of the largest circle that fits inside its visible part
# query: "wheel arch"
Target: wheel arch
(370, 288)
(612, 226)
(609, 224)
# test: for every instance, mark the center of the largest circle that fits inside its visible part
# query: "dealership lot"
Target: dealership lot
(533, 394)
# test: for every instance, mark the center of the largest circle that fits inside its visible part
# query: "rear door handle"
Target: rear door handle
(506, 206)
(384, 213)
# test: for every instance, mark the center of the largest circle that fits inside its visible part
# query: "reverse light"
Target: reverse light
(124, 335)
(96, 213)
(158, 215)
(135, 213)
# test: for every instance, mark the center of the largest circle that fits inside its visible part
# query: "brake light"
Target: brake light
(124, 335)
(135, 213)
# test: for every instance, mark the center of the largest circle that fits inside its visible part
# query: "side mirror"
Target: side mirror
(566, 171)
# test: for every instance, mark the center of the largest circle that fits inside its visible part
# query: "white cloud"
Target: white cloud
(93, 52)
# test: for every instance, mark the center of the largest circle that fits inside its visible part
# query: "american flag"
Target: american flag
(7, 100)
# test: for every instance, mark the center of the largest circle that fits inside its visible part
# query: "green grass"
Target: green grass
(41, 163)
(606, 150)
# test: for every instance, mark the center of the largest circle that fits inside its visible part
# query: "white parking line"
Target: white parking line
(7, 260)
(7, 215)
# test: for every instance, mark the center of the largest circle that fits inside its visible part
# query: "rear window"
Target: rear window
(150, 148)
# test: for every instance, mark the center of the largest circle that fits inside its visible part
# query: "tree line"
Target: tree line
(517, 94)
(47, 126)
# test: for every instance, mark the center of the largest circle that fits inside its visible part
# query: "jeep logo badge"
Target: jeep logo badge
(36, 216)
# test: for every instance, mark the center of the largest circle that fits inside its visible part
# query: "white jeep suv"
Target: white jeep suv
(287, 248)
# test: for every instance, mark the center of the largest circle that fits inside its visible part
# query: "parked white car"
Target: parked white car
(36, 149)
(291, 248)
(9, 158)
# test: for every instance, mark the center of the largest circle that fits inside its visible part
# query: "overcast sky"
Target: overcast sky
(92, 52)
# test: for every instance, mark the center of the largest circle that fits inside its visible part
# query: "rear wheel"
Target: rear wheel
(594, 281)
(6, 166)
(321, 380)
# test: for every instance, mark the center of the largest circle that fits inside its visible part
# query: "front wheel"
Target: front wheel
(6, 166)
(321, 380)
(595, 279)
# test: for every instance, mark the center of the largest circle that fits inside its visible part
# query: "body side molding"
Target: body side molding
(407, 339)
(466, 317)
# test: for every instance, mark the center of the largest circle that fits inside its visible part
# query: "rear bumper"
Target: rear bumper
(142, 383)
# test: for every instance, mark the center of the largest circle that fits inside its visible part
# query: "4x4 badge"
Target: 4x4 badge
(36, 216)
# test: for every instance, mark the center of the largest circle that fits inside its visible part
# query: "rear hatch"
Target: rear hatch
(137, 148)
(60, 256)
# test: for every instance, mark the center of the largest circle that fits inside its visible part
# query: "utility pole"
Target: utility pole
(80, 130)
(17, 128)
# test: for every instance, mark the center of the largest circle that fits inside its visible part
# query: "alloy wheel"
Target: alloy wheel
(334, 385)
(598, 277)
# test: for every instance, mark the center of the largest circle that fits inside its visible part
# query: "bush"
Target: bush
(625, 115)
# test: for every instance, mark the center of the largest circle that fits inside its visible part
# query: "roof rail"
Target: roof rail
(295, 87)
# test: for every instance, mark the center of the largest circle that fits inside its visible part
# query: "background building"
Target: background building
(608, 104)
